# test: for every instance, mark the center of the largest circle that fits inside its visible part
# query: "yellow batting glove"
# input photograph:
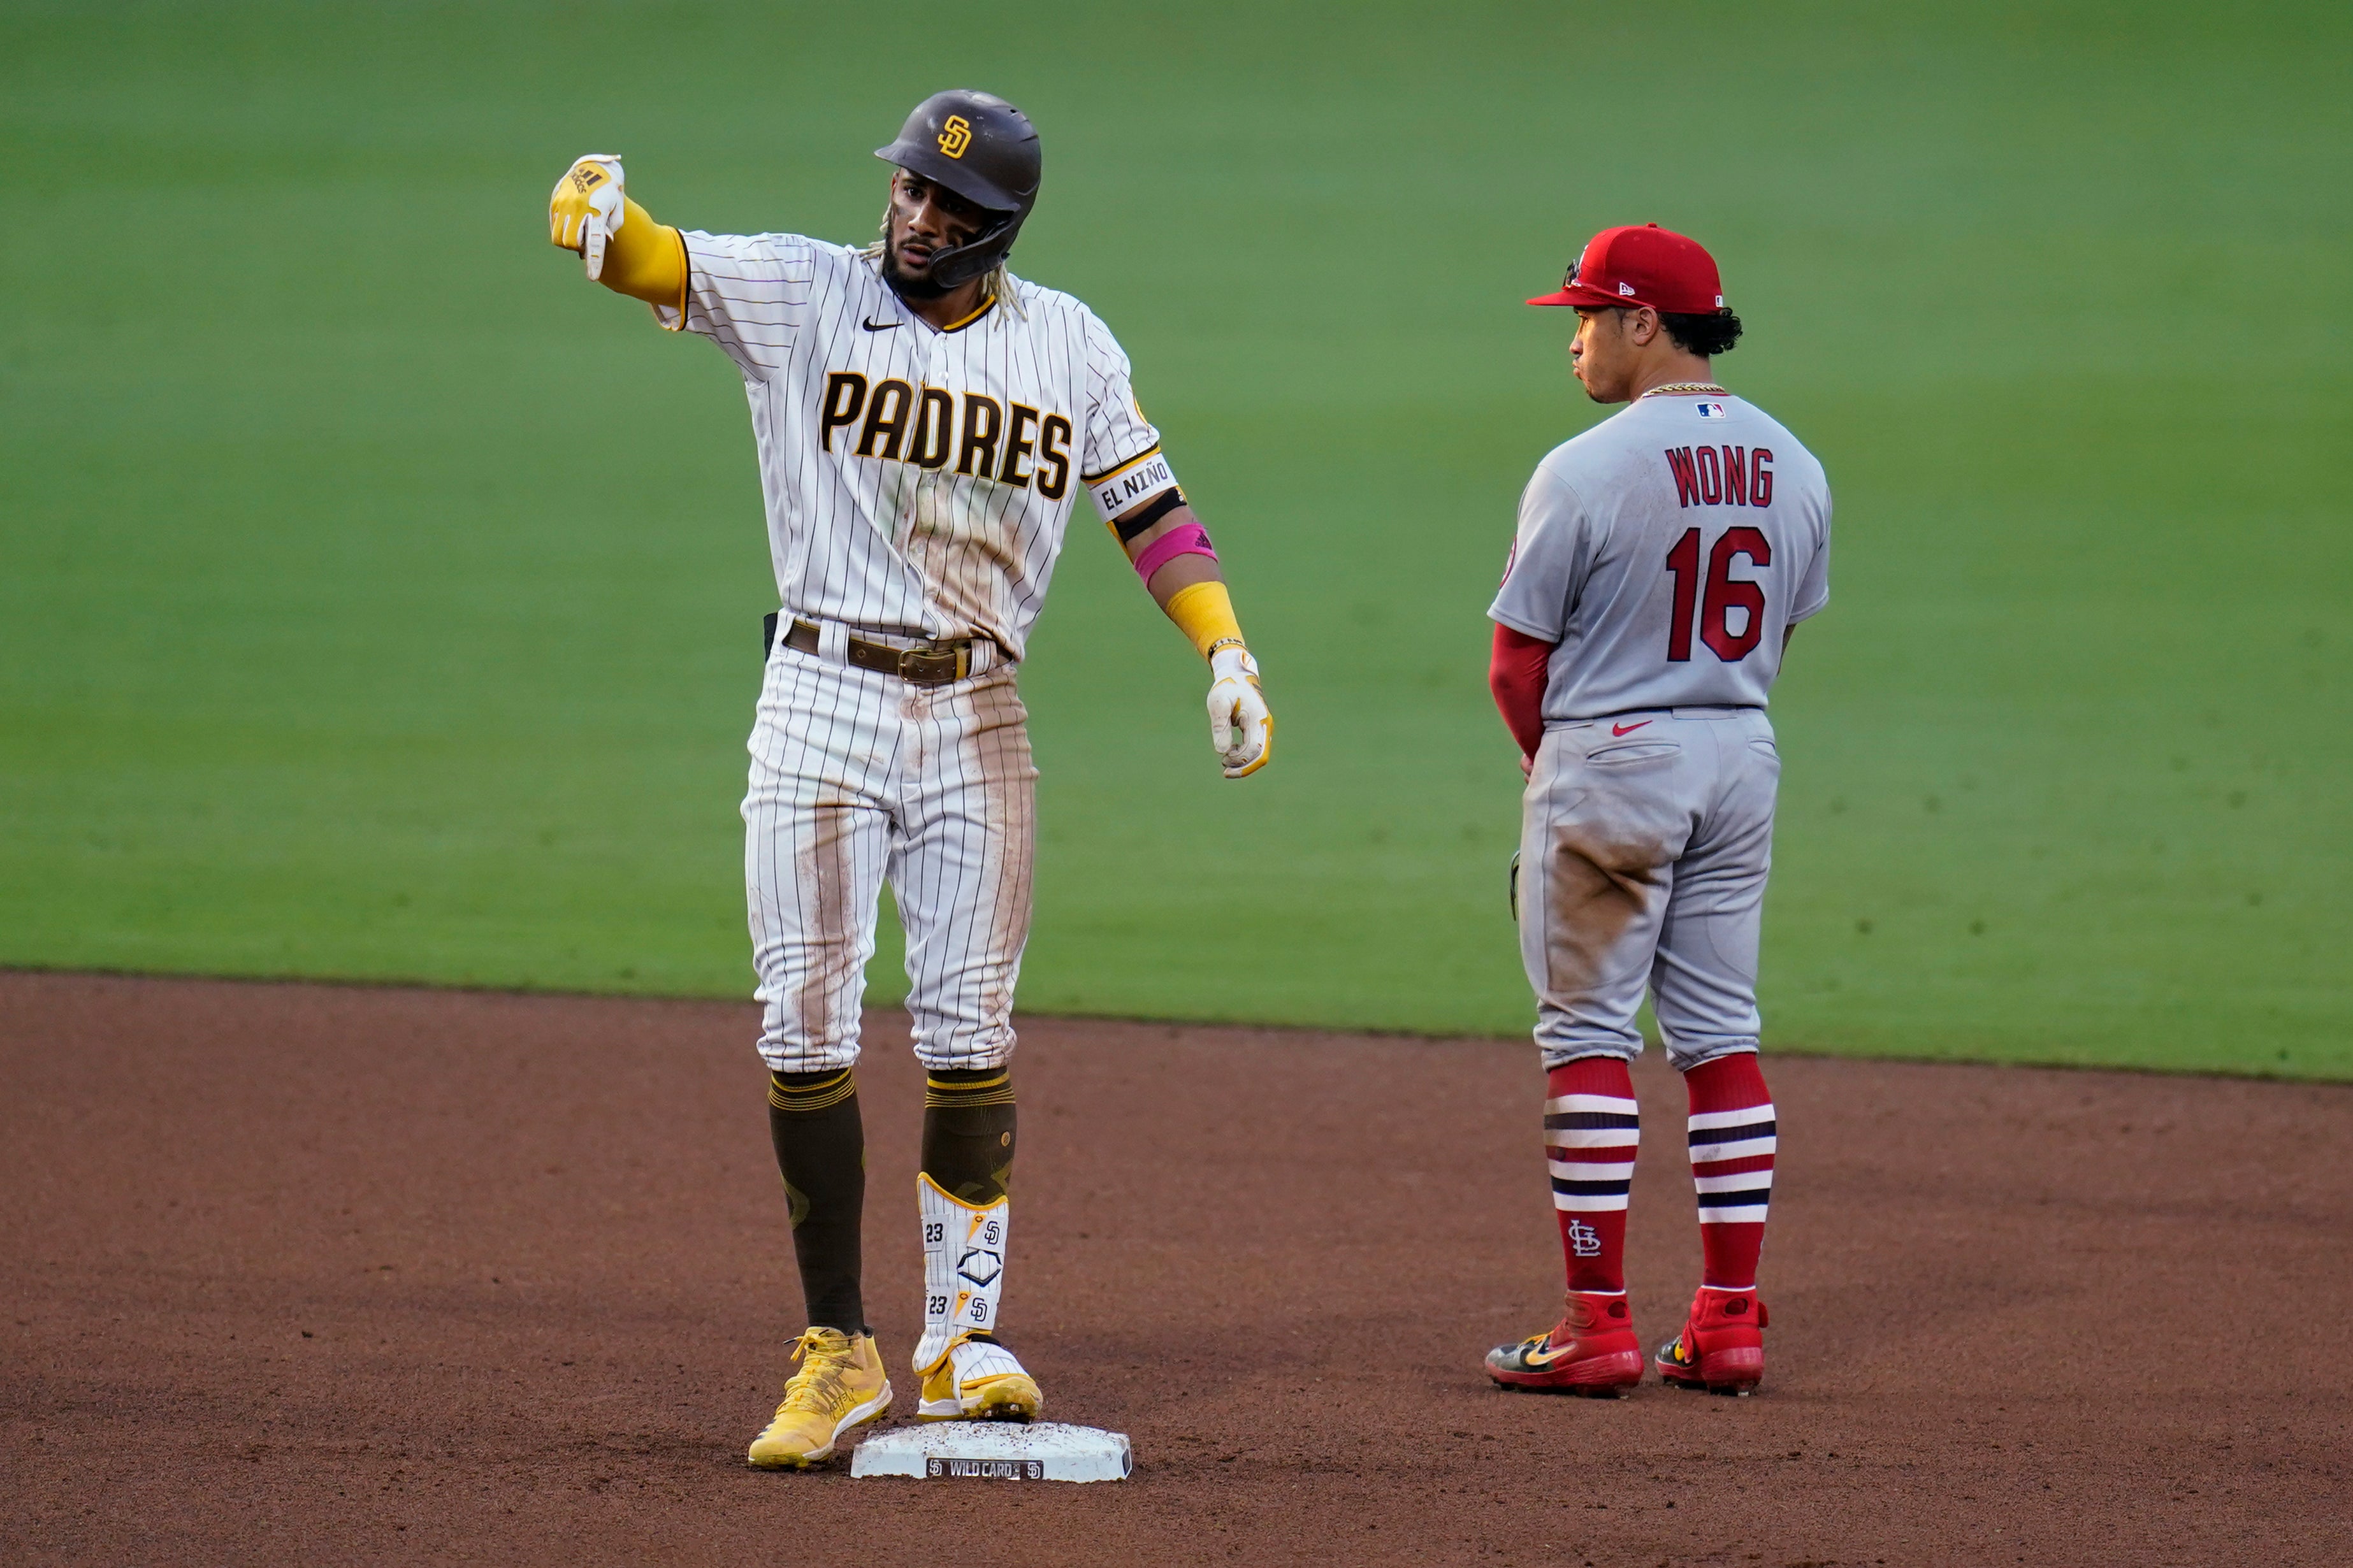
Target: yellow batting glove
(1241, 727)
(588, 208)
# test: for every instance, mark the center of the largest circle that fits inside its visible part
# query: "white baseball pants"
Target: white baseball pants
(857, 775)
(1645, 842)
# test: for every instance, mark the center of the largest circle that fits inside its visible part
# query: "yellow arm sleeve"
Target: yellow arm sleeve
(646, 260)
(1205, 613)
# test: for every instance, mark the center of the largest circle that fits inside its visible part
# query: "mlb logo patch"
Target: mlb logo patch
(1711, 410)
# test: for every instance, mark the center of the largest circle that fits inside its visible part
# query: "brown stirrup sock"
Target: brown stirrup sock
(821, 1150)
(968, 1131)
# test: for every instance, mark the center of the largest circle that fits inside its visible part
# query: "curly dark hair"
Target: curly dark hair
(1707, 335)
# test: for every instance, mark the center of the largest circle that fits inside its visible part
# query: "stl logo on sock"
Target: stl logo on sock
(1583, 1239)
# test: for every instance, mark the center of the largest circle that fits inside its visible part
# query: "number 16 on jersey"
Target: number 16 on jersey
(1724, 592)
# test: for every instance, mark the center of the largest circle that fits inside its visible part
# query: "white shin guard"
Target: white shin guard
(964, 1268)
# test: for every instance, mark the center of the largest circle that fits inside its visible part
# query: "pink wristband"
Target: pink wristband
(1190, 540)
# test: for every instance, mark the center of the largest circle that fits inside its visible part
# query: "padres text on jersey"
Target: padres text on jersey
(917, 480)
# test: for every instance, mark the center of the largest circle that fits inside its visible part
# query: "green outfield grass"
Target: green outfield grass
(380, 600)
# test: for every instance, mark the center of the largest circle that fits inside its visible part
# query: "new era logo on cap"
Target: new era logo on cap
(1642, 265)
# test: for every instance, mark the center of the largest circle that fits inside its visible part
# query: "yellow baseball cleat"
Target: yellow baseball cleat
(978, 1380)
(840, 1385)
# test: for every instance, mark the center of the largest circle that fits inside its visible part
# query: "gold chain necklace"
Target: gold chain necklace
(1695, 388)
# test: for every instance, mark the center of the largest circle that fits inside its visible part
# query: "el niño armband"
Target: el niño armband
(1192, 539)
(1132, 483)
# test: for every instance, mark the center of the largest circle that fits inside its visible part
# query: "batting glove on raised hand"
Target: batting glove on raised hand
(586, 209)
(1240, 728)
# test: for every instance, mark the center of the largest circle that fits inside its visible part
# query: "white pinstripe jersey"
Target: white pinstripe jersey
(917, 481)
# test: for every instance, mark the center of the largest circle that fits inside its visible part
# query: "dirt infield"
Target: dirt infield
(298, 1274)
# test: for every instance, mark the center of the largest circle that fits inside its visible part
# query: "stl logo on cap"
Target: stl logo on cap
(955, 136)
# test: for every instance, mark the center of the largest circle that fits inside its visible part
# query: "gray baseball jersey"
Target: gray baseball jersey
(1667, 551)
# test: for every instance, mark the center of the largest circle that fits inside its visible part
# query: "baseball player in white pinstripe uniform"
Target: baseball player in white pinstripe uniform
(926, 423)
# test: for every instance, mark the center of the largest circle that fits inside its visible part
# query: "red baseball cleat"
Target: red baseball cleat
(1593, 1350)
(1722, 1347)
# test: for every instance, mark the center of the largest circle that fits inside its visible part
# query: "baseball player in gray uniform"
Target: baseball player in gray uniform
(1661, 561)
(926, 423)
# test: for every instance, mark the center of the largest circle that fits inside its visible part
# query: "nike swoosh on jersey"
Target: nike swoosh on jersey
(873, 326)
(1628, 729)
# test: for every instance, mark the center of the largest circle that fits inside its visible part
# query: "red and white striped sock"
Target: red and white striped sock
(1592, 1129)
(1732, 1144)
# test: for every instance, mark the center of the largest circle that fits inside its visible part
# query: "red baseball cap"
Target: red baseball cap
(1670, 272)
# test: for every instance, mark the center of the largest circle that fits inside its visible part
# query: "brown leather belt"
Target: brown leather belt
(932, 664)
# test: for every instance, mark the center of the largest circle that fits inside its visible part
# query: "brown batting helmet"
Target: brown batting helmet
(985, 150)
